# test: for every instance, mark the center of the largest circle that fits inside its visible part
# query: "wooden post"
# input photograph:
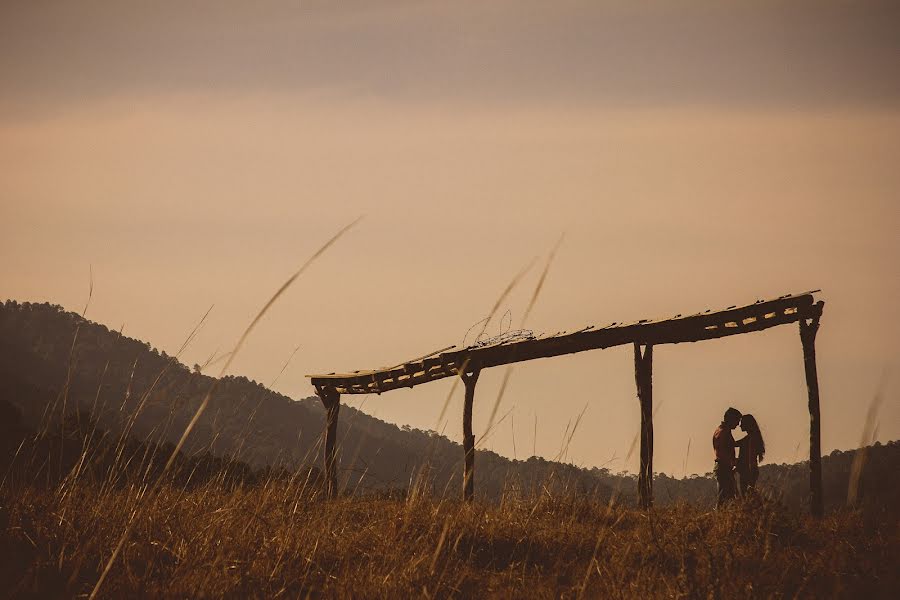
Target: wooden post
(809, 326)
(469, 377)
(643, 377)
(332, 401)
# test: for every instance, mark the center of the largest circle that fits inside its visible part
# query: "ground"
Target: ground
(280, 539)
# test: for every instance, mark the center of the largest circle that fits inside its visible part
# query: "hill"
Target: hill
(55, 364)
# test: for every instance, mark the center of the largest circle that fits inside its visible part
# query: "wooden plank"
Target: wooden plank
(693, 328)
(412, 368)
(432, 361)
(808, 329)
(643, 377)
(469, 379)
(331, 399)
(424, 356)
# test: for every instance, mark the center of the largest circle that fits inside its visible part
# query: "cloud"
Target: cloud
(764, 54)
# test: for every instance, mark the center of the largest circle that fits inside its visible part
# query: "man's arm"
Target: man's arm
(731, 450)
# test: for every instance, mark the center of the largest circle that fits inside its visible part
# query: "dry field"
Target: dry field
(280, 539)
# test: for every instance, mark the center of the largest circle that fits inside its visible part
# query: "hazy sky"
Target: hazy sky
(695, 156)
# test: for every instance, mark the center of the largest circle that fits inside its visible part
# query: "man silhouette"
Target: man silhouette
(723, 446)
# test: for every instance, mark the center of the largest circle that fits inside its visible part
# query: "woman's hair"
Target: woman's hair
(749, 424)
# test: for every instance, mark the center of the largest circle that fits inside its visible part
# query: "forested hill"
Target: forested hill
(50, 357)
(54, 362)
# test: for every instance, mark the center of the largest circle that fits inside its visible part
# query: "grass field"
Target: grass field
(279, 539)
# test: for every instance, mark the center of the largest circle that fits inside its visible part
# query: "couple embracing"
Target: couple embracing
(751, 450)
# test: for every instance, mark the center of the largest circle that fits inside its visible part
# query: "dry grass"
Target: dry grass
(280, 538)
(151, 537)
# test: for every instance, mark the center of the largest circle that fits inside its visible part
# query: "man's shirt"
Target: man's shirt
(723, 445)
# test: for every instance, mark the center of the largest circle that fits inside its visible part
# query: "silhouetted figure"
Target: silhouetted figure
(723, 446)
(751, 449)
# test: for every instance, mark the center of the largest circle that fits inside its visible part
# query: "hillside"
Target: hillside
(85, 433)
(53, 362)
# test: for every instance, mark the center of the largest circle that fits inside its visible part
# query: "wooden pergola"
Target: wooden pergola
(468, 362)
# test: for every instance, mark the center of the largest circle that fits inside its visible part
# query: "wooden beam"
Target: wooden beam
(470, 378)
(809, 326)
(331, 399)
(673, 331)
(643, 377)
(698, 327)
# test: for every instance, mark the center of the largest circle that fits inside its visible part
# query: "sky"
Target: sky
(182, 155)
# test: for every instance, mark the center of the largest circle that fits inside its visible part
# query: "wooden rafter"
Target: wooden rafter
(707, 325)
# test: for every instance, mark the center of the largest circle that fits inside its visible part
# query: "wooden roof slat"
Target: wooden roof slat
(693, 328)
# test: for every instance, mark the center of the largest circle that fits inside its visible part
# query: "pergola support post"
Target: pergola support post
(809, 326)
(470, 378)
(331, 399)
(643, 377)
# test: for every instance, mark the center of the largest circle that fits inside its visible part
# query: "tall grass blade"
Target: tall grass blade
(534, 296)
(205, 402)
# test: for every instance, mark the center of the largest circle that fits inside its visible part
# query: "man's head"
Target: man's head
(732, 418)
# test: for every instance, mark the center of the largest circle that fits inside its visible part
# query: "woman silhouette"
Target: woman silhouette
(751, 449)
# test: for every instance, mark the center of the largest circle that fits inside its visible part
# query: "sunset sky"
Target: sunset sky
(695, 156)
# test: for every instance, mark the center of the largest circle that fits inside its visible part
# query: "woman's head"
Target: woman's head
(749, 424)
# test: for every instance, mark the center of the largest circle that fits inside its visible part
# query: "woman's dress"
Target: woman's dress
(747, 465)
